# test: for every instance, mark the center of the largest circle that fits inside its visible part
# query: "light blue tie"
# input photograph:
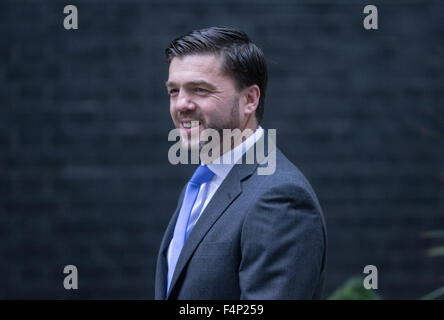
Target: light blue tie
(202, 175)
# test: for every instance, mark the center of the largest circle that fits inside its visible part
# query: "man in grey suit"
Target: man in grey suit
(236, 233)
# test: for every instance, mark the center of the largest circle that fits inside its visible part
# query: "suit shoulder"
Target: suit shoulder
(286, 173)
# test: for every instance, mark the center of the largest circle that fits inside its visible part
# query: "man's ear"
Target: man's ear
(251, 97)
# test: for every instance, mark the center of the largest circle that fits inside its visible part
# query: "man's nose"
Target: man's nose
(184, 102)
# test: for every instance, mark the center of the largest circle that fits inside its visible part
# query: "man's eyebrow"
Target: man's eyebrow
(200, 83)
(169, 84)
(192, 83)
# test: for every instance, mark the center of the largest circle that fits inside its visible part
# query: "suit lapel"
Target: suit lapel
(162, 263)
(228, 191)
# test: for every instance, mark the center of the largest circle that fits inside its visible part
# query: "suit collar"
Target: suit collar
(221, 169)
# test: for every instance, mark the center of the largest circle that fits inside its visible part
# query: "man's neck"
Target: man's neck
(232, 141)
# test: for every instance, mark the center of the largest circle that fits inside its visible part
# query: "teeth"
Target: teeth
(188, 125)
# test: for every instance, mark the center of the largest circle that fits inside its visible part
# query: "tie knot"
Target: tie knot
(202, 175)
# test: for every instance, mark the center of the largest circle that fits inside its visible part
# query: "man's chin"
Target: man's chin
(191, 146)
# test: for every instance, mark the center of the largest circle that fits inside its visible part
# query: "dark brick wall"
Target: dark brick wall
(84, 175)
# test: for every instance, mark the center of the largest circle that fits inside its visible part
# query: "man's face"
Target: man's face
(199, 91)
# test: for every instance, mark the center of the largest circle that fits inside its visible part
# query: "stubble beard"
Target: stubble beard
(233, 122)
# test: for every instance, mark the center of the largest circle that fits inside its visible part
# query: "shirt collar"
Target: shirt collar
(221, 169)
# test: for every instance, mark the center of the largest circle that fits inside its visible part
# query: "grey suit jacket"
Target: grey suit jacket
(260, 237)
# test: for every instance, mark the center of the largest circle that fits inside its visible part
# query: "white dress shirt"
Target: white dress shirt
(221, 170)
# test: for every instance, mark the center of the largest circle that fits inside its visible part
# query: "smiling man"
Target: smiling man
(216, 98)
(236, 233)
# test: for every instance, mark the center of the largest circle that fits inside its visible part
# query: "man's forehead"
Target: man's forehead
(198, 63)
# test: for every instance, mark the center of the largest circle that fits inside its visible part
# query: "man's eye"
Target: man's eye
(201, 90)
(173, 91)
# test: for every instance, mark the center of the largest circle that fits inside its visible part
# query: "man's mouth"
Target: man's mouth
(188, 125)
